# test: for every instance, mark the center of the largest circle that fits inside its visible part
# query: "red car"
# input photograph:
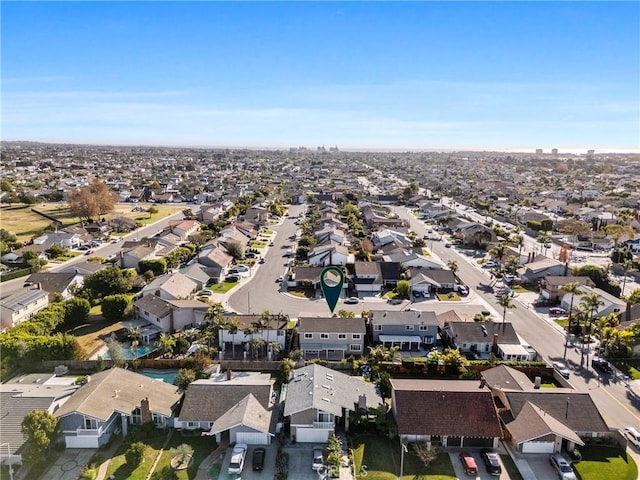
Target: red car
(469, 463)
(557, 311)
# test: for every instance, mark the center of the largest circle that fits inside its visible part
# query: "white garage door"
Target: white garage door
(81, 442)
(538, 447)
(252, 438)
(312, 435)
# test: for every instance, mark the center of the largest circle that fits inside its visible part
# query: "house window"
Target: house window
(324, 417)
(157, 419)
(377, 328)
(136, 416)
(308, 335)
(90, 424)
(355, 348)
(423, 328)
(324, 335)
(356, 336)
(281, 333)
(408, 327)
(192, 425)
(342, 336)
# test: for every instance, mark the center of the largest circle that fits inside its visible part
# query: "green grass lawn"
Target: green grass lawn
(121, 471)
(222, 287)
(519, 289)
(563, 322)
(257, 244)
(202, 446)
(604, 463)
(380, 458)
(448, 297)
(267, 232)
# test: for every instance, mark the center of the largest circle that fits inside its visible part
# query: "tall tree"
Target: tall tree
(574, 289)
(505, 302)
(590, 303)
(41, 428)
(233, 326)
(92, 201)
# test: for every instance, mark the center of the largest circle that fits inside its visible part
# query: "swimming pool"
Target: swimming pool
(167, 376)
(131, 353)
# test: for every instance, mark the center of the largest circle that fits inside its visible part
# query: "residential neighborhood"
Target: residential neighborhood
(476, 312)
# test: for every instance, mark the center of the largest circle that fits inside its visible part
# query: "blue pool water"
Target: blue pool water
(131, 353)
(167, 376)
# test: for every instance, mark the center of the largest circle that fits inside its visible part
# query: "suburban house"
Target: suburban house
(485, 338)
(331, 338)
(21, 305)
(256, 214)
(329, 234)
(385, 236)
(20, 396)
(174, 286)
(541, 267)
(55, 283)
(447, 413)
(410, 258)
(112, 400)
(170, 315)
(367, 277)
(233, 406)
(610, 304)
(329, 254)
(551, 286)
(407, 329)
(309, 277)
(196, 273)
(59, 238)
(184, 228)
(428, 280)
(85, 268)
(217, 256)
(318, 398)
(245, 331)
(132, 255)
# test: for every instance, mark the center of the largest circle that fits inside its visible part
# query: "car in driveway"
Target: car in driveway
(352, 300)
(468, 463)
(562, 369)
(562, 466)
(317, 462)
(257, 460)
(557, 311)
(236, 464)
(491, 461)
(204, 293)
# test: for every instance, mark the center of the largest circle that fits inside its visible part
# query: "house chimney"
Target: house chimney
(229, 374)
(494, 346)
(145, 411)
(171, 319)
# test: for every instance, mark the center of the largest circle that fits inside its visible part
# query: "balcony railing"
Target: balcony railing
(324, 425)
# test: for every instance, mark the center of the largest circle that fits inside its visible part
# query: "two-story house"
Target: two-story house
(331, 338)
(318, 398)
(408, 330)
(551, 286)
(170, 315)
(21, 305)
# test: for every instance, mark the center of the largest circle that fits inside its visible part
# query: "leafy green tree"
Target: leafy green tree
(403, 288)
(55, 251)
(342, 313)
(599, 276)
(157, 266)
(184, 377)
(114, 307)
(41, 429)
(634, 297)
(574, 289)
(166, 343)
(178, 256)
(76, 311)
(109, 281)
(235, 249)
(505, 302)
(334, 455)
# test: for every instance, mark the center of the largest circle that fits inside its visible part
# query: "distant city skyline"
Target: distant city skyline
(503, 76)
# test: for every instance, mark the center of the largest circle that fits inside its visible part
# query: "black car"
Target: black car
(601, 365)
(492, 461)
(258, 458)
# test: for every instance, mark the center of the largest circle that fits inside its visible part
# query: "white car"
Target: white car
(562, 369)
(204, 293)
(633, 436)
(318, 459)
(242, 268)
(236, 464)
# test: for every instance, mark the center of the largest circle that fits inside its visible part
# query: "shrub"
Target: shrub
(135, 454)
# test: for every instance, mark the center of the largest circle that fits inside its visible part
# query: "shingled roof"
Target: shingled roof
(457, 408)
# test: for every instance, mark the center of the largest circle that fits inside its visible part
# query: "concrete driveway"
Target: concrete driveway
(247, 472)
(300, 459)
(69, 464)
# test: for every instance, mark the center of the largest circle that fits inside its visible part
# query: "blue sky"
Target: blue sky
(382, 75)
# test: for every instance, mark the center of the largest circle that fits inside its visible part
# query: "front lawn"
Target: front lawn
(448, 297)
(223, 287)
(379, 457)
(603, 463)
(202, 446)
(258, 244)
(120, 470)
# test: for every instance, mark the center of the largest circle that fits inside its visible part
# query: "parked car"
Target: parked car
(492, 461)
(447, 245)
(250, 255)
(91, 251)
(562, 369)
(204, 293)
(468, 463)
(463, 290)
(242, 268)
(563, 467)
(232, 278)
(632, 435)
(601, 365)
(489, 264)
(257, 461)
(352, 300)
(318, 459)
(236, 464)
(280, 279)
(557, 311)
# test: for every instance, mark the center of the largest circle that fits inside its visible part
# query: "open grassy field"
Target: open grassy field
(26, 224)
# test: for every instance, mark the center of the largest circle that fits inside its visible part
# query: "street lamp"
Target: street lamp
(404, 449)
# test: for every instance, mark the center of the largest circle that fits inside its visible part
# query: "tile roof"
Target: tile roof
(444, 407)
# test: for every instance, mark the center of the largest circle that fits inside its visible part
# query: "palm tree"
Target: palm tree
(590, 302)
(166, 343)
(505, 302)
(498, 252)
(453, 266)
(518, 241)
(134, 334)
(574, 289)
(233, 326)
(256, 346)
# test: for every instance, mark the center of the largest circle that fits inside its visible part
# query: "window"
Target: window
(423, 328)
(355, 348)
(408, 327)
(377, 328)
(324, 335)
(324, 417)
(157, 419)
(308, 335)
(356, 336)
(281, 333)
(342, 336)
(90, 424)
